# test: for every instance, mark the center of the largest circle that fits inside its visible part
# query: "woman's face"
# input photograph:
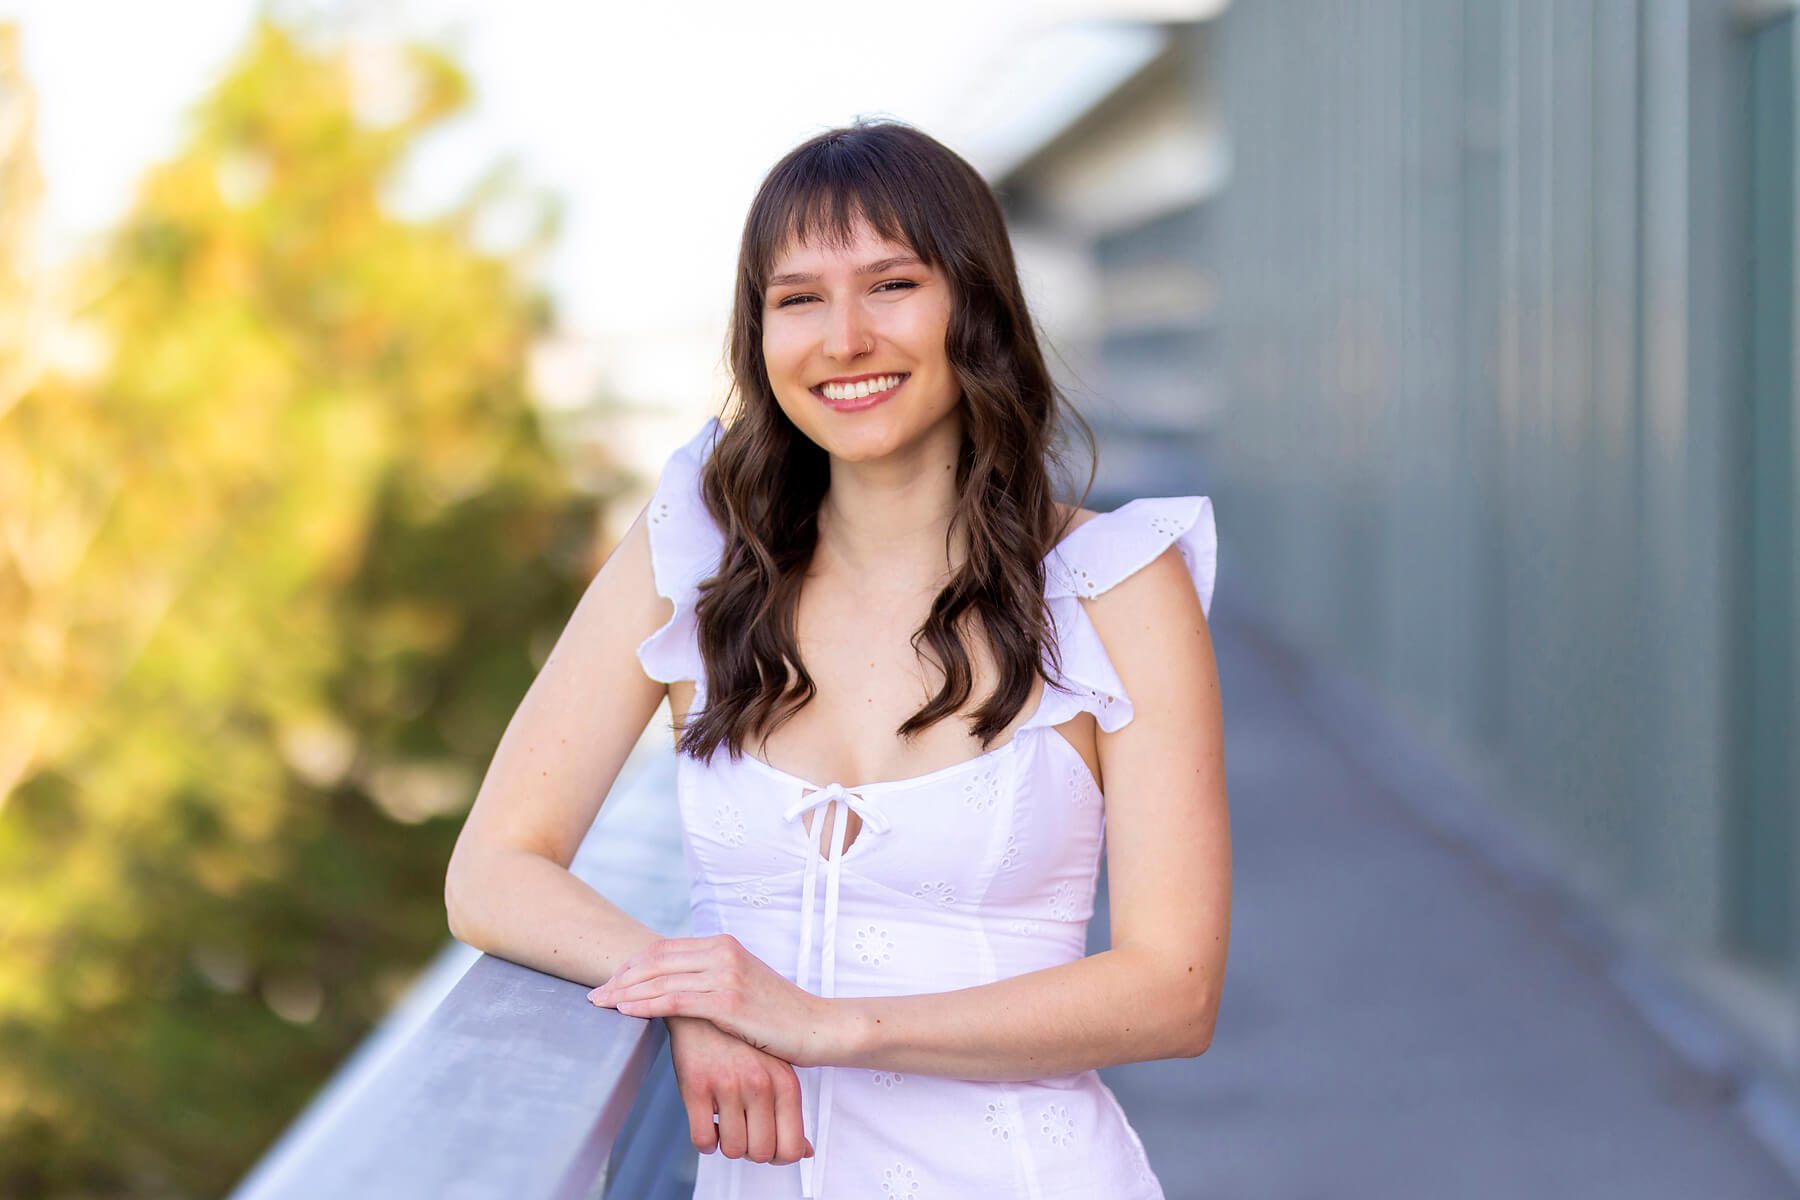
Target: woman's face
(828, 319)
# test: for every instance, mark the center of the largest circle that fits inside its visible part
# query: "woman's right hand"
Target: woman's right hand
(756, 1095)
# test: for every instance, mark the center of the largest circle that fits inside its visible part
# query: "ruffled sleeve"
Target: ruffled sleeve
(1099, 554)
(685, 545)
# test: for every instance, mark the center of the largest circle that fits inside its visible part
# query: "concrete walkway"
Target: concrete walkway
(1402, 1017)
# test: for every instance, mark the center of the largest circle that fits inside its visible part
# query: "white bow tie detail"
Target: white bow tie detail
(813, 1169)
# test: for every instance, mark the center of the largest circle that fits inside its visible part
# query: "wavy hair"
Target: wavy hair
(764, 480)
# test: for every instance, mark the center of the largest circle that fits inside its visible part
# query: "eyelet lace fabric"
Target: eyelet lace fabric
(958, 878)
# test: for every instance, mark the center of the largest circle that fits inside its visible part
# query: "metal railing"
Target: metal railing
(492, 1079)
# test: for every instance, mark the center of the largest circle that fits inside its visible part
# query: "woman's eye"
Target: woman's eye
(903, 283)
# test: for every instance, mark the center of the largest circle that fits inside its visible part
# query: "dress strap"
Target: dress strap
(1096, 557)
(685, 544)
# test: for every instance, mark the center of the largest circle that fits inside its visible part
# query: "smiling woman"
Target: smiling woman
(915, 696)
(822, 310)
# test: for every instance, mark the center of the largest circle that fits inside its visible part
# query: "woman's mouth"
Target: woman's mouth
(853, 399)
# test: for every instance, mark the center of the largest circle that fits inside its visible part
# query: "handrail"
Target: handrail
(493, 1079)
(514, 1086)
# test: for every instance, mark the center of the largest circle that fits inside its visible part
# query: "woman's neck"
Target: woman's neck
(884, 521)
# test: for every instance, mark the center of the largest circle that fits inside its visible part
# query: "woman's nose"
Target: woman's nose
(846, 333)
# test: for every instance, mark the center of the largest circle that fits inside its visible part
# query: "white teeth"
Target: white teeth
(856, 391)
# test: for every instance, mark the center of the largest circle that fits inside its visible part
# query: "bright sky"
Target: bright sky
(655, 122)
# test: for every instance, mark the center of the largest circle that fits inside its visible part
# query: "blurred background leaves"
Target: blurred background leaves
(274, 568)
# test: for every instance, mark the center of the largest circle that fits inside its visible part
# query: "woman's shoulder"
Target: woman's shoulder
(1117, 584)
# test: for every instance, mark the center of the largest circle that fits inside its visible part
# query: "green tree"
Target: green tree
(272, 579)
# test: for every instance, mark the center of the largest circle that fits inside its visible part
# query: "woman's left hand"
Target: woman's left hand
(717, 979)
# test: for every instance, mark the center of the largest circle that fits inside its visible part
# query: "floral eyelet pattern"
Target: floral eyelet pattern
(1062, 901)
(1057, 1126)
(981, 791)
(755, 893)
(1084, 583)
(1166, 526)
(1000, 1119)
(899, 1180)
(1172, 529)
(887, 1079)
(659, 512)
(728, 823)
(936, 892)
(1022, 926)
(873, 945)
(1009, 857)
(1082, 792)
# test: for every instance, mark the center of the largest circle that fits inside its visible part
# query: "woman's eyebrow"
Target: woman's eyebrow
(874, 268)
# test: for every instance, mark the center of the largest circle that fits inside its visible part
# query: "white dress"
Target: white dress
(960, 877)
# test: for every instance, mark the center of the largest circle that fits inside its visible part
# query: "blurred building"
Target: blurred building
(1104, 141)
(1477, 321)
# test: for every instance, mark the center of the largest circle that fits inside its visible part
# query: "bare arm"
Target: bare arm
(508, 890)
(1155, 994)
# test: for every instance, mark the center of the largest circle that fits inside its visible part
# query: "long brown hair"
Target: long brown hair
(764, 480)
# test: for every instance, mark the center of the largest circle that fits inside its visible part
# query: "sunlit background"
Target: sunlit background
(340, 341)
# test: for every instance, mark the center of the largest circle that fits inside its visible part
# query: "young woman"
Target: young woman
(911, 690)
